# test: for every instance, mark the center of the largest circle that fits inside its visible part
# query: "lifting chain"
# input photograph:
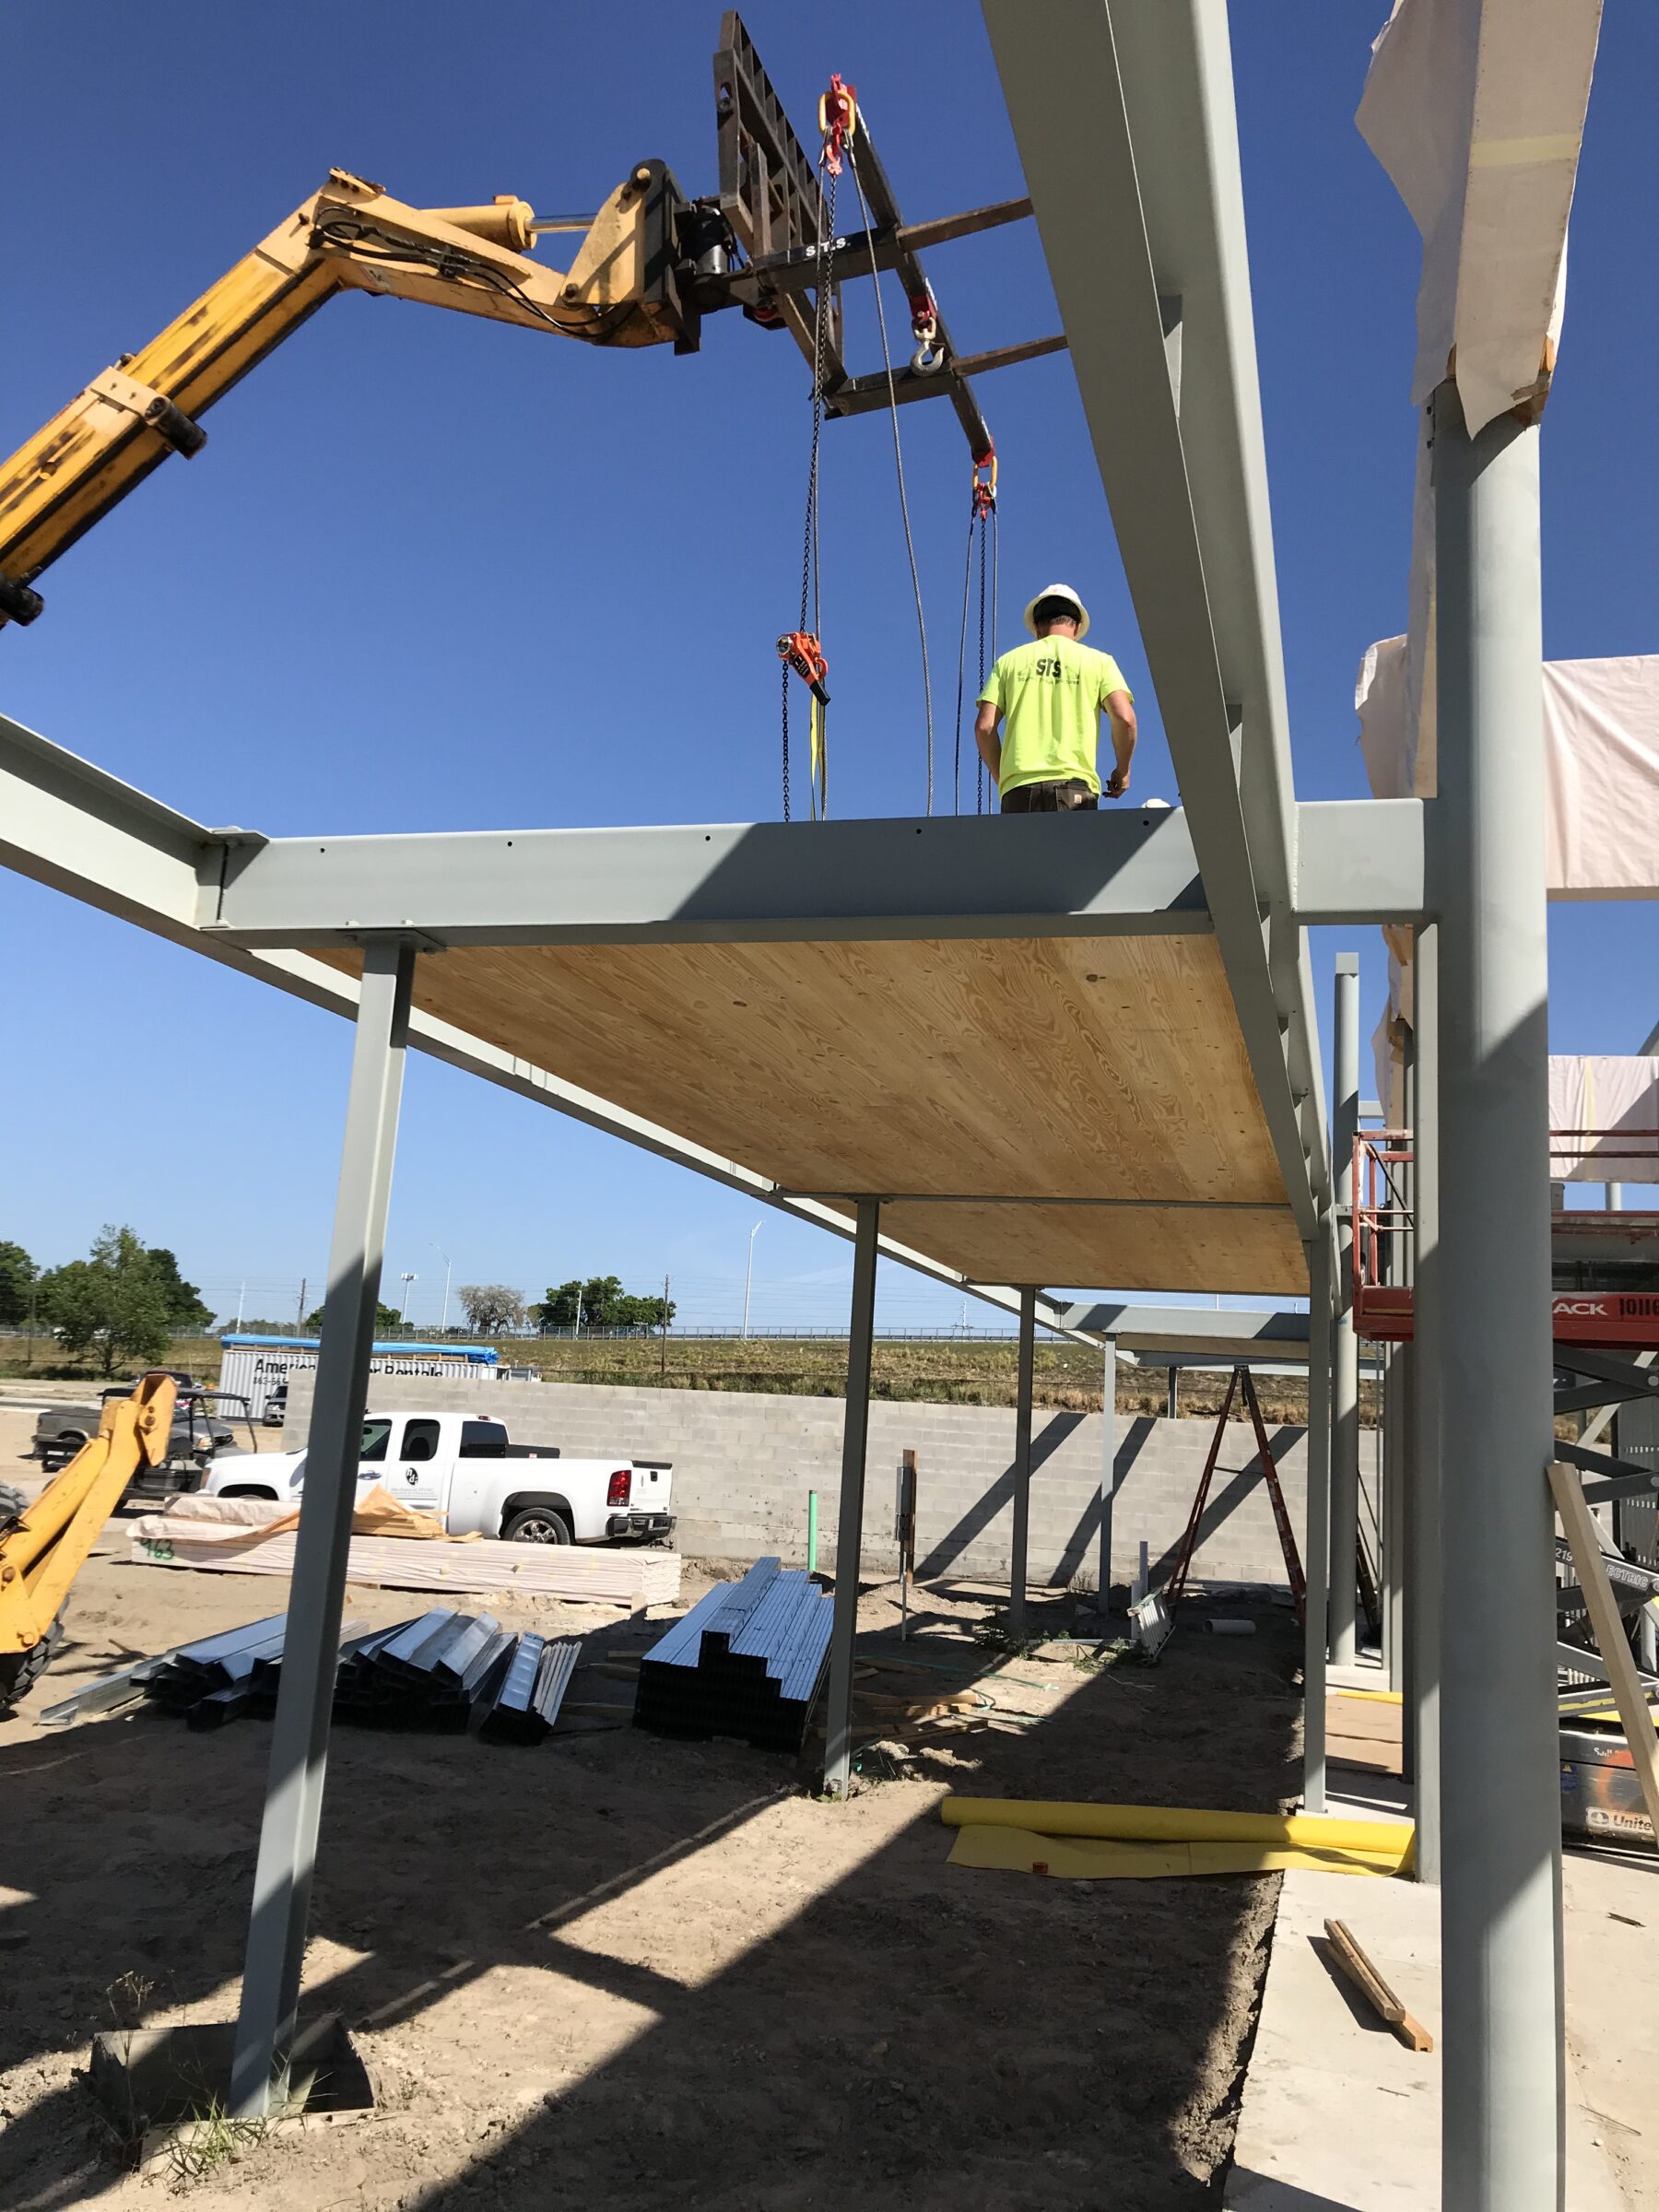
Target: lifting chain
(802, 648)
(982, 529)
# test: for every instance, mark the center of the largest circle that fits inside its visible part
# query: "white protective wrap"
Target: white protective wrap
(1601, 752)
(1605, 1092)
(1476, 109)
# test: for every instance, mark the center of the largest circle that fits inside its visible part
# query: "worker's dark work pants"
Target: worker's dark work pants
(1072, 796)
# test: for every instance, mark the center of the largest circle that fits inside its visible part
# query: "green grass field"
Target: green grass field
(1067, 1376)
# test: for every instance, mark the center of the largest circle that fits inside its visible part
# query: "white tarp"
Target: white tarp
(1601, 754)
(1476, 109)
(1607, 1093)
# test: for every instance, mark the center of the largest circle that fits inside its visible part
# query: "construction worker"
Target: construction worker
(1048, 695)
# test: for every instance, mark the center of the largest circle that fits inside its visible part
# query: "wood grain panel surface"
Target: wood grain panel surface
(1110, 1248)
(1050, 1067)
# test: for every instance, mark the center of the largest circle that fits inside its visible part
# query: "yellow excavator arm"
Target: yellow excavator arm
(621, 290)
(42, 1551)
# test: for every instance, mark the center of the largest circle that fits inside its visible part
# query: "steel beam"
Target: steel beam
(1275, 1332)
(1503, 2091)
(1345, 1376)
(83, 832)
(1019, 1541)
(947, 877)
(1361, 860)
(1395, 1481)
(1424, 1565)
(1315, 1549)
(1109, 1467)
(287, 1840)
(848, 1526)
(1131, 157)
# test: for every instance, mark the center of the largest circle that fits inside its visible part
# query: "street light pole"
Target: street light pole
(444, 1256)
(749, 1279)
(406, 1281)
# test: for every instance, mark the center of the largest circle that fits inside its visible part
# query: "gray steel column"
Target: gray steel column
(1393, 1503)
(848, 1526)
(1345, 1377)
(1317, 1526)
(287, 1839)
(1502, 2143)
(1108, 1467)
(1423, 1623)
(1022, 1461)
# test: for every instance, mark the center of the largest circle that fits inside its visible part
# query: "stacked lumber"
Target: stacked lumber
(748, 1660)
(629, 1575)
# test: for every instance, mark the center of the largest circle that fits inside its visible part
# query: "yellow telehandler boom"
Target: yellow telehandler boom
(622, 289)
(43, 1548)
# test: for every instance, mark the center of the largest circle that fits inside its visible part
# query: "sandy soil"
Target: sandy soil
(619, 1971)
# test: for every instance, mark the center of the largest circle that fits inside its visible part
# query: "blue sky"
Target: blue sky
(430, 573)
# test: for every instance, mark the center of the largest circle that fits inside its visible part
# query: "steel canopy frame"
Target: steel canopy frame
(79, 830)
(1131, 157)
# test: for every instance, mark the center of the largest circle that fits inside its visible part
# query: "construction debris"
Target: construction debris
(748, 1660)
(1371, 1986)
(441, 1670)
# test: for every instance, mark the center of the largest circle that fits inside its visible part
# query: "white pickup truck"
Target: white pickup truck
(478, 1481)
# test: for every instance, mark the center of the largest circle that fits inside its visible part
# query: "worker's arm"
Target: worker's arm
(1121, 708)
(987, 738)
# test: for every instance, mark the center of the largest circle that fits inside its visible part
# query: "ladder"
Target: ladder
(1241, 1384)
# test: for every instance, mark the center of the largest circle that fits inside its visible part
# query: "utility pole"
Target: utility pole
(406, 1281)
(240, 1299)
(748, 1279)
(664, 1366)
(444, 1324)
(300, 1315)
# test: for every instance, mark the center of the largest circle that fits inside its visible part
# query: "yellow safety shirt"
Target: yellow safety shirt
(1051, 693)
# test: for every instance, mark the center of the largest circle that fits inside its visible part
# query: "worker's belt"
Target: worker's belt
(1068, 796)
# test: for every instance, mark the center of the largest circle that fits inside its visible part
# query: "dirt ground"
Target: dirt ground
(619, 1970)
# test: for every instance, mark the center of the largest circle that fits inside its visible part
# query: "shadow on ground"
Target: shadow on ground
(619, 1971)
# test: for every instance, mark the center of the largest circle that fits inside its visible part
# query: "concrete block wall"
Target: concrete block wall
(744, 1464)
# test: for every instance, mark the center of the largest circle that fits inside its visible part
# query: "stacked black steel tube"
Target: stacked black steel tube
(748, 1660)
(440, 1670)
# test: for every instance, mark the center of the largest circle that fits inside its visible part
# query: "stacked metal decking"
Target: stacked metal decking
(441, 1670)
(748, 1660)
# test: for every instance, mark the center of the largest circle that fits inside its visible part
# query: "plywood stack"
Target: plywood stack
(630, 1575)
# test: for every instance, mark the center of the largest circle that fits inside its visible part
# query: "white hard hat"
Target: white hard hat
(1057, 591)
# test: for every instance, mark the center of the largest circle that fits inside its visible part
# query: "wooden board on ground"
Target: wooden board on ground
(1028, 1068)
(567, 1571)
(1362, 1733)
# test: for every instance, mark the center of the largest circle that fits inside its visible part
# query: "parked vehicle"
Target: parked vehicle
(199, 1430)
(275, 1407)
(478, 1482)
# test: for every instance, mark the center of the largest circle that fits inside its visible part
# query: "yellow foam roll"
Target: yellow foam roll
(1182, 1824)
(1097, 1859)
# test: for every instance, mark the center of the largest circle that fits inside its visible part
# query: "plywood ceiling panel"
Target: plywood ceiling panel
(1115, 1248)
(1052, 1067)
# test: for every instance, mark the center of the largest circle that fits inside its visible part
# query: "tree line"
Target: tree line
(125, 1302)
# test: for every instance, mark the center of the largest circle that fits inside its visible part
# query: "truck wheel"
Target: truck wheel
(19, 1671)
(65, 1446)
(537, 1524)
(249, 1489)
